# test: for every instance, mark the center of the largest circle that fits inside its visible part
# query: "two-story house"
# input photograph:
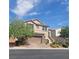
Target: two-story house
(40, 31)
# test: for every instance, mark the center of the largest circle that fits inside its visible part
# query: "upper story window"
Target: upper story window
(44, 28)
(30, 26)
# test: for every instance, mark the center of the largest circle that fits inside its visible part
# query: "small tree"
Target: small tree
(65, 32)
(18, 29)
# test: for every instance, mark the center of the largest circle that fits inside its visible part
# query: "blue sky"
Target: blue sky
(53, 13)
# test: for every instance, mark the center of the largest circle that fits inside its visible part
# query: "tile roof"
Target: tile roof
(41, 24)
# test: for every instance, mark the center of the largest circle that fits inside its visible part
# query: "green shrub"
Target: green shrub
(46, 41)
(55, 44)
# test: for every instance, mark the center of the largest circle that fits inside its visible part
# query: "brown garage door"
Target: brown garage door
(35, 40)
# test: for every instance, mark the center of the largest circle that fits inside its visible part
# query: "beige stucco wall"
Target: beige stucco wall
(12, 40)
(36, 30)
(29, 23)
(39, 30)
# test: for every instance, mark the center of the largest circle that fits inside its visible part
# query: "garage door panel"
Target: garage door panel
(36, 40)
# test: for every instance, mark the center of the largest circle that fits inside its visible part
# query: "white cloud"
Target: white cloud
(62, 23)
(59, 24)
(65, 3)
(34, 13)
(24, 6)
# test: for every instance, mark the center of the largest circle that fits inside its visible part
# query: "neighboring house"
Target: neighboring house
(58, 32)
(12, 41)
(56, 36)
(52, 33)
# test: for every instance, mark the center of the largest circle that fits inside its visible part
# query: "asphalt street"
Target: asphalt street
(38, 54)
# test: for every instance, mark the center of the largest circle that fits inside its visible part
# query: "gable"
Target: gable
(37, 22)
(30, 22)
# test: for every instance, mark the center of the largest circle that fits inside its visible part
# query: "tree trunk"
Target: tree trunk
(26, 40)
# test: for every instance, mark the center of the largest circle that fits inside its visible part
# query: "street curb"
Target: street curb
(41, 48)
